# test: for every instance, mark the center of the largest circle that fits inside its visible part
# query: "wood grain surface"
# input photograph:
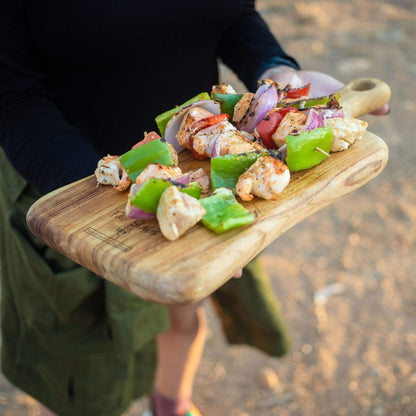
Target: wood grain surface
(88, 224)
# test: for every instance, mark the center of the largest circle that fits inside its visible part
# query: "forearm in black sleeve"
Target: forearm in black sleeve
(249, 48)
(43, 147)
(46, 150)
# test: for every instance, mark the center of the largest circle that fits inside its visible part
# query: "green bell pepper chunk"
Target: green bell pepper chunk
(225, 170)
(224, 212)
(313, 102)
(163, 119)
(302, 150)
(148, 195)
(136, 160)
(193, 189)
(227, 102)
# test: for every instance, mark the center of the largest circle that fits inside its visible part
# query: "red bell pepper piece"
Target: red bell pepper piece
(269, 125)
(296, 93)
(207, 122)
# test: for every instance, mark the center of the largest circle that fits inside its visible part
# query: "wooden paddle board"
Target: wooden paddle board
(88, 224)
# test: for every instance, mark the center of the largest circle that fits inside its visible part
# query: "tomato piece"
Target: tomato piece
(147, 138)
(269, 125)
(295, 93)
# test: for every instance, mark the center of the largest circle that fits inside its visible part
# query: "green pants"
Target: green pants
(83, 346)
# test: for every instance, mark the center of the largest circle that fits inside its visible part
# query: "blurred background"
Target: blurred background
(346, 277)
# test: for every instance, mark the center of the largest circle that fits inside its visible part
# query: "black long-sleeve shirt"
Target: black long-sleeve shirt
(83, 78)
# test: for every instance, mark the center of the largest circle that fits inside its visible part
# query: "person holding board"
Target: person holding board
(78, 80)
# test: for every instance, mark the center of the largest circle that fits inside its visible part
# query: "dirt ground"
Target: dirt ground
(346, 276)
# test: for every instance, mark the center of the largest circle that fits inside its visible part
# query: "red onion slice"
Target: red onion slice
(182, 179)
(215, 148)
(265, 99)
(314, 120)
(175, 122)
(133, 212)
(283, 152)
(264, 86)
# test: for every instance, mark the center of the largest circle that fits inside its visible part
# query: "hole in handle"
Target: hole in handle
(363, 85)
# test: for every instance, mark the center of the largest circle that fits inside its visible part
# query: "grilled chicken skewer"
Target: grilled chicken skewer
(198, 133)
(346, 129)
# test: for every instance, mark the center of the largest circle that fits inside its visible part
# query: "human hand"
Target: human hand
(321, 84)
(238, 274)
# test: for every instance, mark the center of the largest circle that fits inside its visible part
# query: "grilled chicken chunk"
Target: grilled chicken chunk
(173, 153)
(292, 123)
(201, 177)
(156, 170)
(346, 131)
(177, 212)
(242, 106)
(110, 172)
(222, 88)
(193, 115)
(223, 139)
(265, 178)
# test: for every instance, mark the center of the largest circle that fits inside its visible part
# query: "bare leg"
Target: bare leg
(179, 352)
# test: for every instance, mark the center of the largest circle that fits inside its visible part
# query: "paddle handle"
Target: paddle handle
(364, 95)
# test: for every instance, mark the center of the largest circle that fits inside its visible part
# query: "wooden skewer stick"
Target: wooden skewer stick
(348, 141)
(318, 149)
